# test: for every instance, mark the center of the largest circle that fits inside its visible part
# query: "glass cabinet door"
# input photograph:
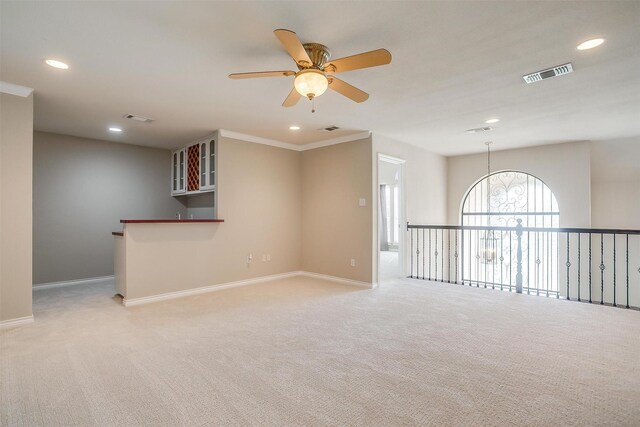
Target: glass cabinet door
(212, 163)
(174, 170)
(203, 165)
(181, 187)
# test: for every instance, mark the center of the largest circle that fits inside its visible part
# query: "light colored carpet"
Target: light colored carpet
(306, 352)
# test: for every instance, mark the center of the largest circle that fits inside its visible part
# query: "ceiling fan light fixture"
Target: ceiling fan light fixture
(311, 83)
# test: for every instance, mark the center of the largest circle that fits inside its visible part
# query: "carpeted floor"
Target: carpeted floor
(302, 351)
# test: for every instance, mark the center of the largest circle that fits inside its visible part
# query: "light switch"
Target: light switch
(363, 202)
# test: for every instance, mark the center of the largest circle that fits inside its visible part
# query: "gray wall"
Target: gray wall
(81, 190)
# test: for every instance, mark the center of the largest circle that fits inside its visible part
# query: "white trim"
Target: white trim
(336, 279)
(205, 289)
(390, 159)
(16, 90)
(334, 141)
(88, 281)
(294, 147)
(258, 140)
(16, 322)
(213, 288)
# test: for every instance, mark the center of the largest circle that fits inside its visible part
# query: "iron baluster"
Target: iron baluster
(549, 263)
(538, 262)
(528, 261)
(411, 251)
(449, 256)
(590, 238)
(422, 253)
(558, 263)
(435, 276)
(602, 267)
(568, 264)
(461, 252)
(455, 255)
(470, 260)
(627, 271)
(442, 255)
(578, 266)
(429, 254)
(614, 271)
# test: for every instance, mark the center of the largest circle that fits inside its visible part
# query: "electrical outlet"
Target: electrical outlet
(268, 257)
(353, 262)
(264, 257)
(249, 258)
(362, 202)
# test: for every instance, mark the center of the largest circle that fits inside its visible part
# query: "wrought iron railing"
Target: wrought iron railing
(591, 265)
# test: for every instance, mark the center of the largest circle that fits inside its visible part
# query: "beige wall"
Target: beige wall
(615, 184)
(335, 229)
(16, 151)
(565, 168)
(82, 189)
(425, 179)
(259, 199)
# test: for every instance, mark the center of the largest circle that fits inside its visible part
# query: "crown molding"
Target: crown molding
(334, 141)
(16, 90)
(293, 147)
(257, 139)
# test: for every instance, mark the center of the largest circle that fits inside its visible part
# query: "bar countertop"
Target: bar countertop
(167, 221)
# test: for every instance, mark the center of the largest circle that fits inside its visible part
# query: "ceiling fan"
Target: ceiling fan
(315, 70)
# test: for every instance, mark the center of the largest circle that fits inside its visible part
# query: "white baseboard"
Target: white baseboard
(88, 281)
(16, 322)
(205, 289)
(336, 279)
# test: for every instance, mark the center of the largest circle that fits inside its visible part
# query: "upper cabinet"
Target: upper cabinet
(178, 172)
(208, 164)
(193, 168)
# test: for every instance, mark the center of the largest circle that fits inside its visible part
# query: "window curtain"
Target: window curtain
(384, 232)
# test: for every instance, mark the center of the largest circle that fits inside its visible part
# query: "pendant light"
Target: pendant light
(489, 240)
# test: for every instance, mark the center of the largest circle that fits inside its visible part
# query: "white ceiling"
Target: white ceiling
(455, 64)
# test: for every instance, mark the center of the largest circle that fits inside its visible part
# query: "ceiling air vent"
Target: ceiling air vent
(547, 74)
(478, 130)
(330, 128)
(138, 118)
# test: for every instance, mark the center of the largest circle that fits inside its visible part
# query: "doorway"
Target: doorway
(391, 218)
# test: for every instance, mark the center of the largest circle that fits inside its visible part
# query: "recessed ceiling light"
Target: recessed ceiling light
(294, 127)
(590, 44)
(491, 121)
(114, 129)
(56, 64)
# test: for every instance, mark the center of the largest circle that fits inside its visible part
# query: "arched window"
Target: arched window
(499, 200)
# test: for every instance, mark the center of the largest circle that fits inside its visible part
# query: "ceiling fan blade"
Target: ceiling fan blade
(292, 98)
(261, 74)
(361, 60)
(347, 90)
(293, 45)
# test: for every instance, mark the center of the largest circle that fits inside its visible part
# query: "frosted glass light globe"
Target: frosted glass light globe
(311, 83)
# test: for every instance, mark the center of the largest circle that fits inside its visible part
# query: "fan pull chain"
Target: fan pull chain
(313, 105)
